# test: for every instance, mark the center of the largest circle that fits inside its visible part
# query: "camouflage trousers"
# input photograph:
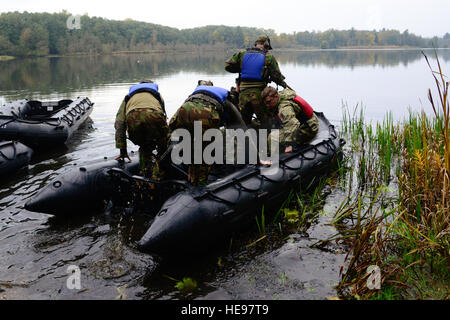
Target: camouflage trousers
(148, 129)
(308, 131)
(196, 110)
(302, 134)
(198, 174)
(251, 102)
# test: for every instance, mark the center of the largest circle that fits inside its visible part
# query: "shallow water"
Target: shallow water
(36, 250)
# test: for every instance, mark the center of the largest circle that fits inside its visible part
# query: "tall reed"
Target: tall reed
(424, 181)
(407, 230)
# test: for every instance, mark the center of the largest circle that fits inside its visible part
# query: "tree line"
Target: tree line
(40, 34)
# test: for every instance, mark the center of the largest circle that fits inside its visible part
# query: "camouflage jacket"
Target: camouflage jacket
(271, 70)
(289, 112)
(212, 113)
(142, 100)
(197, 107)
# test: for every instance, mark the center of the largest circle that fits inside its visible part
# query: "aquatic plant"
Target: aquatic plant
(261, 225)
(186, 285)
(404, 233)
(291, 216)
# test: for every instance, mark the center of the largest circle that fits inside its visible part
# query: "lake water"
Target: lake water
(35, 252)
(380, 80)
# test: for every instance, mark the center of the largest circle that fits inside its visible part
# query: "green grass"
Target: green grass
(261, 224)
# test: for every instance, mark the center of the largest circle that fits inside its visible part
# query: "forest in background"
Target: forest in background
(41, 34)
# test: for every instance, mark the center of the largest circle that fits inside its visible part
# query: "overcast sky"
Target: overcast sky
(422, 17)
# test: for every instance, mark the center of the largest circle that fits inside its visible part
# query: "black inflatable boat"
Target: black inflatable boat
(81, 190)
(13, 156)
(195, 219)
(42, 124)
(191, 219)
(88, 187)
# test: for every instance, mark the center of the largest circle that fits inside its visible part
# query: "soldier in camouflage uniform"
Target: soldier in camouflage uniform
(295, 127)
(142, 115)
(208, 108)
(256, 68)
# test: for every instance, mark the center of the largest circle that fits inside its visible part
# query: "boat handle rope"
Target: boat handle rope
(239, 184)
(217, 198)
(328, 144)
(80, 111)
(233, 183)
(4, 124)
(327, 147)
(270, 180)
(18, 119)
(332, 146)
(314, 149)
(332, 131)
(283, 164)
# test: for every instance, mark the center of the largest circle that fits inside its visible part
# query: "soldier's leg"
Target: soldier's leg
(158, 173)
(203, 173)
(251, 102)
(136, 133)
(273, 140)
(162, 143)
(146, 160)
(198, 174)
(149, 130)
(309, 131)
(245, 106)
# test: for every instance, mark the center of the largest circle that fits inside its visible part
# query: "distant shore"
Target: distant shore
(190, 50)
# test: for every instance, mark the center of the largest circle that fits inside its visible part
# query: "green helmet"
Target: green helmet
(205, 83)
(265, 40)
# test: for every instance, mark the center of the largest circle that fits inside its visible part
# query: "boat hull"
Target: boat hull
(81, 190)
(13, 156)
